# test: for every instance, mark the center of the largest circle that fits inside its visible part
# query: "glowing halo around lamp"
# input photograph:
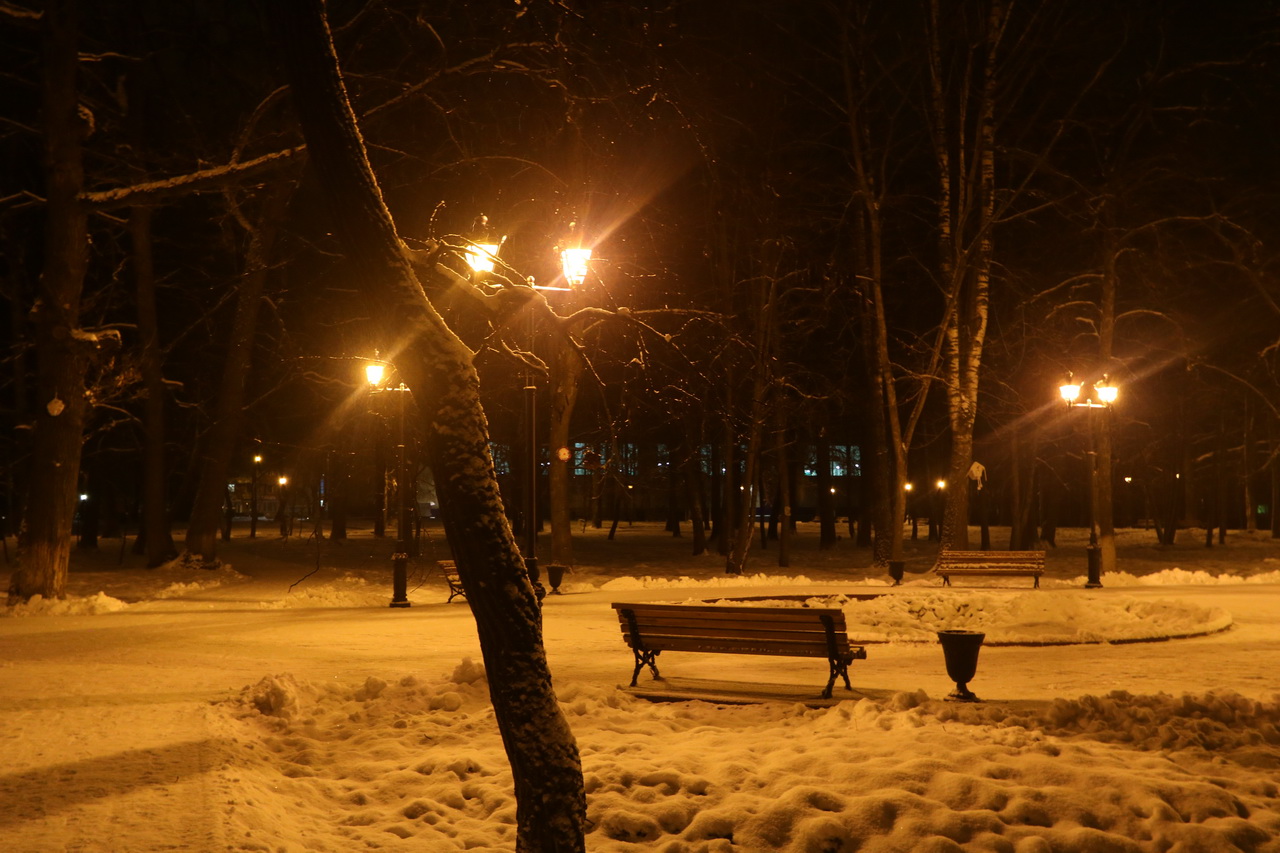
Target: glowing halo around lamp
(374, 373)
(574, 264)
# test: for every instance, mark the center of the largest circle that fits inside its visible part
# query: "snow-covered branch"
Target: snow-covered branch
(204, 180)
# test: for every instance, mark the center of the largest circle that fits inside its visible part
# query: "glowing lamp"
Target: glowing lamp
(482, 256)
(574, 263)
(1070, 391)
(1107, 393)
(374, 372)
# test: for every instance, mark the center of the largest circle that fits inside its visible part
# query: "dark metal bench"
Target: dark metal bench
(650, 629)
(991, 564)
(449, 569)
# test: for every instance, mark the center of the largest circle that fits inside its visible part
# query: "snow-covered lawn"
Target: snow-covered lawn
(196, 710)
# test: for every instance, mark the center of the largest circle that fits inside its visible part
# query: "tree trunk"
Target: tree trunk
(220, 442)
(62, 349)
(546, 769)
(783, 508)
(565, 381)
(966, 216)
(157, 537)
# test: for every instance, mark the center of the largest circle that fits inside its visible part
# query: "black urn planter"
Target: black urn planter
(960, 649)
(896, 568)
(555, 574)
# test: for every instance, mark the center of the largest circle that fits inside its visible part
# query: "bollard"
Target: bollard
(399, 580)
(960, 648)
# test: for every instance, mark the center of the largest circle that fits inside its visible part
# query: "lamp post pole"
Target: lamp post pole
(283, 482)
(1093, 556)
(400, 561)
(253, 497)
(374, 373)
(531, 484)
(1100, 395)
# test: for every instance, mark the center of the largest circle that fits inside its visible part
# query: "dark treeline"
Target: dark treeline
(893, 226)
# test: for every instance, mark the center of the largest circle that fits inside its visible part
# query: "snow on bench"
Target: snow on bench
(990, 563)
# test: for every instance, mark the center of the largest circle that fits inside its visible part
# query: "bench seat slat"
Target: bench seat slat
(671, 639)
(738, 646)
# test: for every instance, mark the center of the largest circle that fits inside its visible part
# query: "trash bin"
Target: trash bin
(960, 649)
(555, 574)
(896, 568)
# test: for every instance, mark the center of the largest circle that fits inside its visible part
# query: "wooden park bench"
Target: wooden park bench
(990, 563)
(650, 629)
(449, 569)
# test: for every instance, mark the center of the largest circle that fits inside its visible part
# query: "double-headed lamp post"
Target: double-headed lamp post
(1098, 395)
(375, 375)
(481, 256)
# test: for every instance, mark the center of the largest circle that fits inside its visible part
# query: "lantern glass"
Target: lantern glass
(1107, 394)
(574, 263)
(481, 256)
(374, 373)
(1070, 391)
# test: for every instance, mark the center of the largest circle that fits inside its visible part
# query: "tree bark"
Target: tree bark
(438, 367)
(62, 349)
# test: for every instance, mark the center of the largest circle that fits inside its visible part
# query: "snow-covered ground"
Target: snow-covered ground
(278, 704)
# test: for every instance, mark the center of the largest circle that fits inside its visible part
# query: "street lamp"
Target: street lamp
(1098, 395)
(253, 496)
(282, 481)
(375, 374)
(481, 257)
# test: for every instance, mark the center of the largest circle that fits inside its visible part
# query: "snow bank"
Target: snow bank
(418, 765)
(70, 606)
(347, 591)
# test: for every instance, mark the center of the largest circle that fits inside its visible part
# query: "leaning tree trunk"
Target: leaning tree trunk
(220, 442)
(547, 771)
(63, 350)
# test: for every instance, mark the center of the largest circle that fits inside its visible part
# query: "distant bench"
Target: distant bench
(990, 563)
(449, 569)
(650, 629)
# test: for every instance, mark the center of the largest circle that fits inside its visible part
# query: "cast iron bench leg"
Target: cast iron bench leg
(644, 657)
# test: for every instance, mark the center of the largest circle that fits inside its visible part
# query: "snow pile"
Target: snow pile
(684, 582)
(347, 591)
(1012, 619)
(181, 589)
(72, 605)
(1028, 618)
(418, 765)
(1178, 576)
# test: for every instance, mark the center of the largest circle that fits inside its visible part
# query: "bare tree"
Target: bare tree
(439, 368)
